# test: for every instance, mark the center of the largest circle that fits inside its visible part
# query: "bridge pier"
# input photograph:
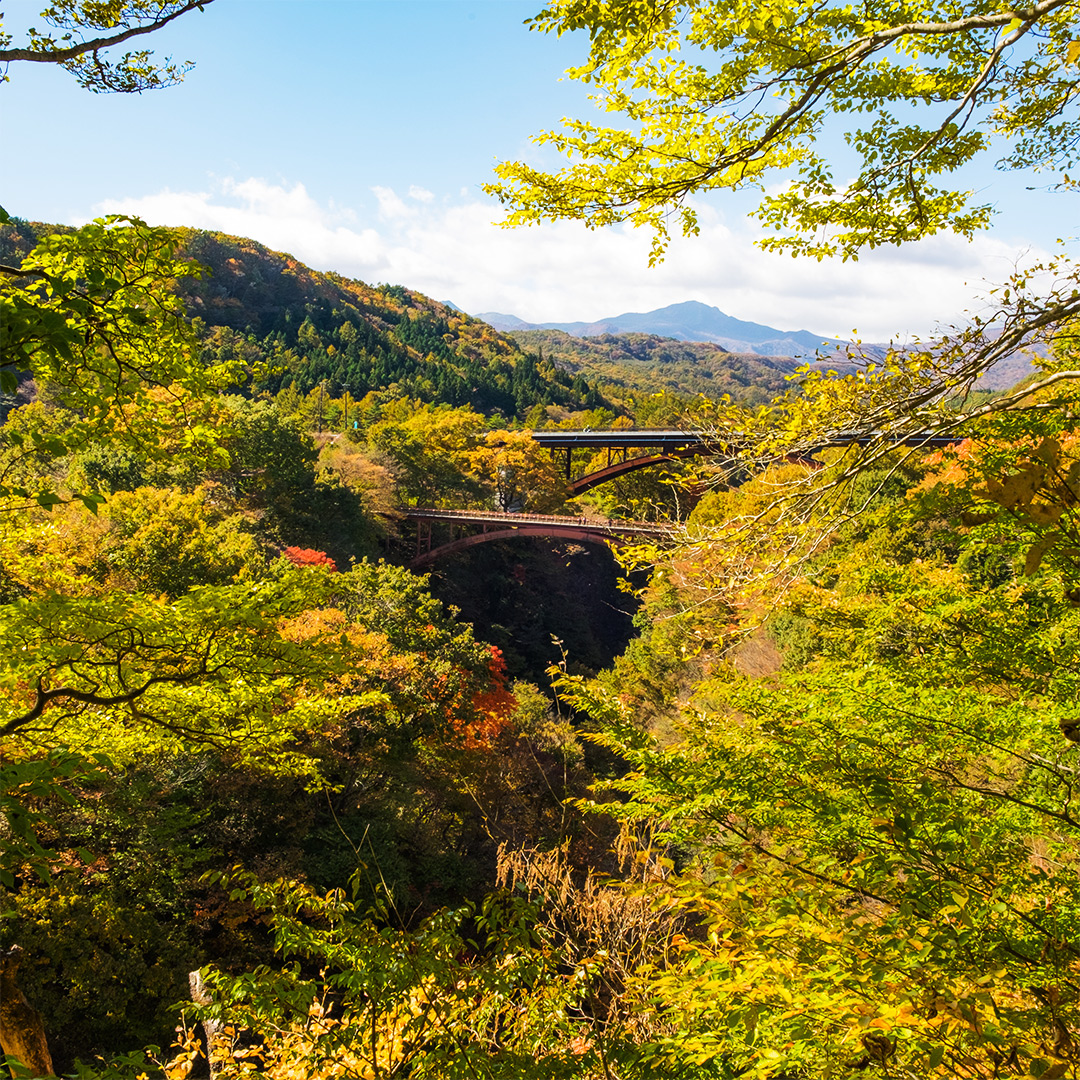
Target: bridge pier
(423, 536)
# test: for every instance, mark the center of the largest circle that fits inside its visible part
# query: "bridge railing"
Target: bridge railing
(491, 517)
(723, 441)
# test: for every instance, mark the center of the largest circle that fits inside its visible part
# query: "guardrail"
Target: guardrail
(509, 520)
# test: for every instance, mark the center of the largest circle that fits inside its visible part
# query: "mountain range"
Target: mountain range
(647, 364)
(296, 328)
(694, 322)
(688, 321)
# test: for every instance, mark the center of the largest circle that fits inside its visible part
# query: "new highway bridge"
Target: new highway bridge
(639, 449)
(626, 450)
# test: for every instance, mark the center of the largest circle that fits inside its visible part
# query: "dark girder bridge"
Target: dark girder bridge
(628, 450)
(496, 526)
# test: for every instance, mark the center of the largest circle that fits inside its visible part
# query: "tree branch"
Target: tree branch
(61, 56)
(15, 271)
(60, 693)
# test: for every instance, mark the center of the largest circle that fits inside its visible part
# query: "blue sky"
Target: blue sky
(355, 134)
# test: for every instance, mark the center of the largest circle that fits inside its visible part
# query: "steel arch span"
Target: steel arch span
(580, 536)
(501, 526)
(619, 468)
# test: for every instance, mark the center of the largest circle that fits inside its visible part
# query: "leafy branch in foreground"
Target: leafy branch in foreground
(711, 95)
(470, 993)
(93, 316)
(69, 658)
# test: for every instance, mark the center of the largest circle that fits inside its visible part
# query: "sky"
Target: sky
(356, 134)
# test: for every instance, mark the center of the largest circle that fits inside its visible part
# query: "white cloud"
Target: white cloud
(283, 219)
(391, 205)
(451, 250)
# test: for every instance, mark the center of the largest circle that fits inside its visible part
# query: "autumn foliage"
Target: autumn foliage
(494, 706)
(310, 557)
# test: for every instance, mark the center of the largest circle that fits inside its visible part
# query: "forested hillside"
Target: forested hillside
(646, 363)
(813, 819)
(286, 325)
(206, 664)
(791, 797)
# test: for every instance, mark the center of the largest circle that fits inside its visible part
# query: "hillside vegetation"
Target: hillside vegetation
(814, 820)
(646, 363)
(287, 325)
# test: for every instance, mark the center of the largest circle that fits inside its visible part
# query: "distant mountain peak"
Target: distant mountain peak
(690, 320)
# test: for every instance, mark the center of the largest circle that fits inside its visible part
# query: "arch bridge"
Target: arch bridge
(466, 528)
(629, 449)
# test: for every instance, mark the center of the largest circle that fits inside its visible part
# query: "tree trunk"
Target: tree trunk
(200, 994)
(21, 1033)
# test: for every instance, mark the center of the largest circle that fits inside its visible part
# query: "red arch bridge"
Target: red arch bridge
(465, 528)
(631, 449)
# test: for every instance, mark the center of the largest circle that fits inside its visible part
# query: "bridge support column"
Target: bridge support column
(423, 537)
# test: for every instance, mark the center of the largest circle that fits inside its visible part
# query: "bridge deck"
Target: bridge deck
(668, 440)
(719, 441)
(513, 521)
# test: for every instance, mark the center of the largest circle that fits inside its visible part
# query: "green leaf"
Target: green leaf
(92, 501)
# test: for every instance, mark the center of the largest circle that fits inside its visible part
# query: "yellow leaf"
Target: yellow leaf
(1072, 53)
(1036, 552)
(1044, 513)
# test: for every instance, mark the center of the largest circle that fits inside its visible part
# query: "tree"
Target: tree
(715, 95)
(870, 833)
(521, 473)
(92, 315)
(429, 448)
(88, 28)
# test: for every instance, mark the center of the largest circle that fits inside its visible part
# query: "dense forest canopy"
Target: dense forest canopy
(817, 819)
